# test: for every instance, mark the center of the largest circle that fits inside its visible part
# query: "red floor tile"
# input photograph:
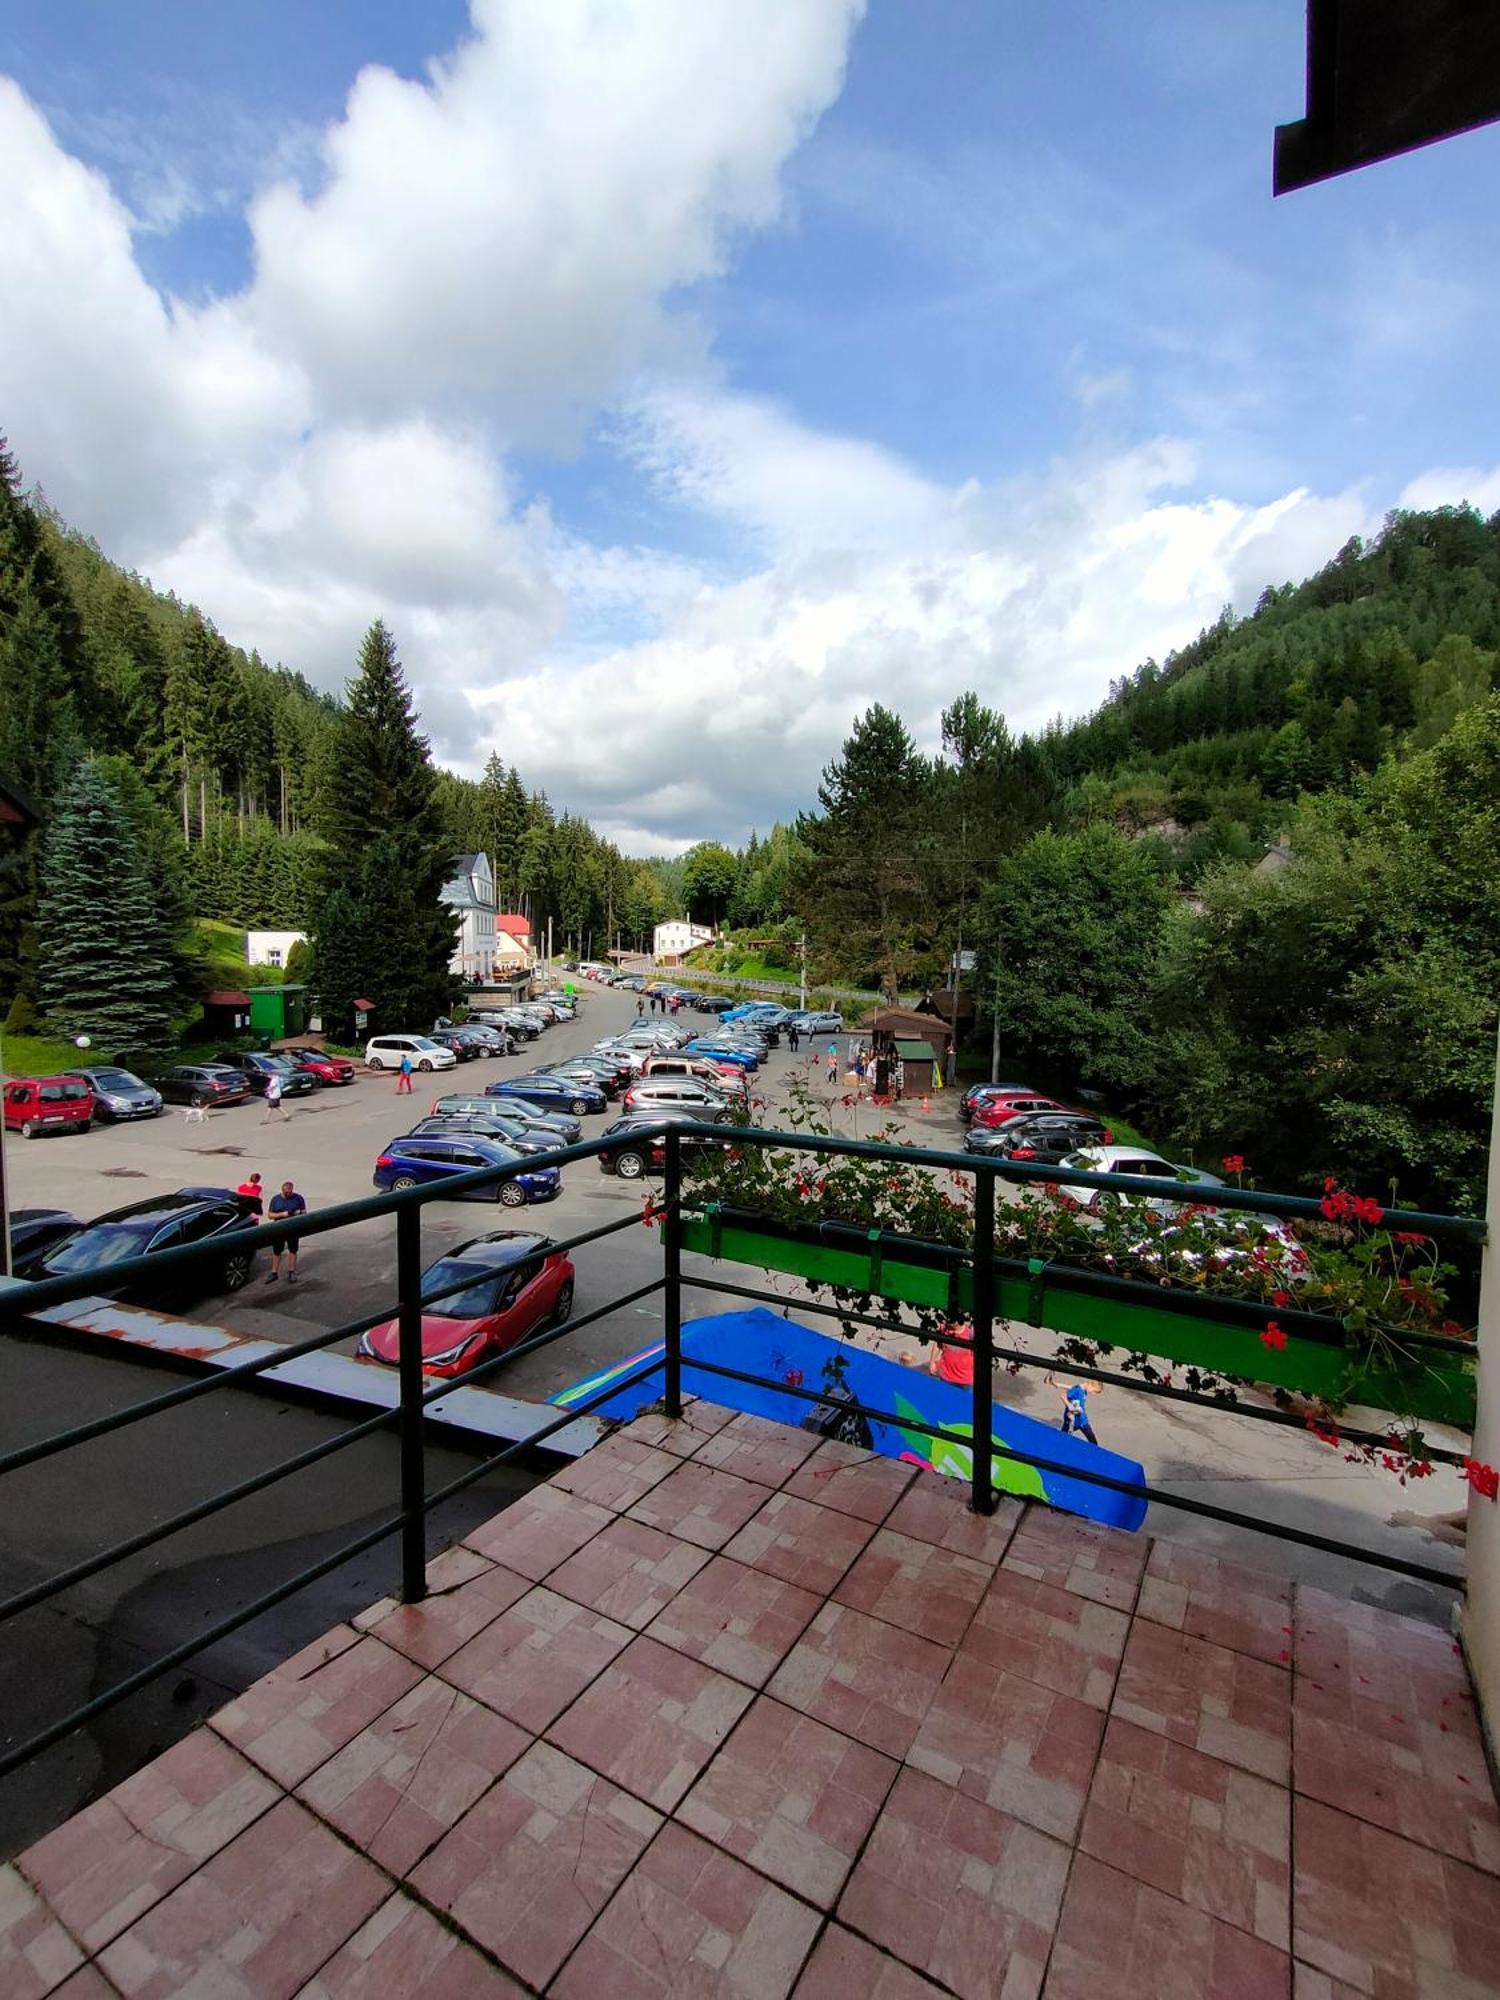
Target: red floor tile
(404, 1953)
(536, 1658)
(464, 1594)
(792, 1797)
(691, 1920)
(1210, 1835)
(958, 1891)
(1223, 1602)
(110, 1863)
(1375, 1654)
(851, 1481)
(615, 1473)
(527, 1870)
(1119, 1938)
(869, 1679)
(1224, 1704)
(36, 1953)
(738, 1620)
(538, 1531)
(628, 1573)
(297, 1717)
(1014, 1745)
(1050, 1636)
(680, 1436)
(936, 1509)
(651, 1721)
(1388, 1917)
(700, 1505)
(1420, 1773)
(758, 1448)
(919, 1586)
(404, 1781)
(844, 1967)
(1102, 1563)
(256, 1921)
(800, 1542)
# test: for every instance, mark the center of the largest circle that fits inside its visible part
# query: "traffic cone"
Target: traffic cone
(926, 1106)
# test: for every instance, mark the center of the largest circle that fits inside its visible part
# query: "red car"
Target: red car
(326, 1068)
(516, 1284)
(996, 1110)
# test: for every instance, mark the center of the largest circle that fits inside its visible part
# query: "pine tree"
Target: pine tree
(118, 992)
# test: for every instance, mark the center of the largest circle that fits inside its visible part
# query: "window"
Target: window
(273, 954)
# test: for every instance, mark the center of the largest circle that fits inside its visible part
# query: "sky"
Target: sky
(676, 378)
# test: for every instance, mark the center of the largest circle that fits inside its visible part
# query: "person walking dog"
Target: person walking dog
(285, 1207)
(274, 1108)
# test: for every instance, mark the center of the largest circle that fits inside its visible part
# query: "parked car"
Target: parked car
(725, 1052)
(408, 1163)
(725, 1075)
(258, 1069)
(561, 1125)
(1047, 1136)
(120, 1094)
(977, 1093)
(514, 1283)
(161, 1222)
(202, 1083)
(550, 1093)
(814, 1021)
(485, 1125)
(33, 1231)
(678, 1093)
(318, 1063)
(458, 1042)
(485, 1040)
(386, 1051)
(517, 1022)
(712, 1003)
(997, 1110)
(1141, 1162)
(577, 1069)
(38, 1104)
(631, 1153)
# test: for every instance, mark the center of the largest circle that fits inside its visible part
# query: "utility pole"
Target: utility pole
(802, 962)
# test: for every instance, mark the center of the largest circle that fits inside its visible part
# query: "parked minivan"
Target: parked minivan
(35, 1104)
(386, 1051)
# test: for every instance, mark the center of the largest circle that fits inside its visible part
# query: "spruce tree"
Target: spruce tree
(118, 990)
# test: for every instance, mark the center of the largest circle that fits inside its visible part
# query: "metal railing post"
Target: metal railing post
(409, 1382)
(983, 1496)
(672, 1272)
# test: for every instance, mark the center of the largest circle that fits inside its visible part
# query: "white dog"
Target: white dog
(196, 1114)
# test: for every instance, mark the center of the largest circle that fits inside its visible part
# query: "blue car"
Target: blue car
(419, 1159)
(550, 1093)
(724, 1052)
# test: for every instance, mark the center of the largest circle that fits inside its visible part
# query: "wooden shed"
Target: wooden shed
(893, 1025)
(918, 1061)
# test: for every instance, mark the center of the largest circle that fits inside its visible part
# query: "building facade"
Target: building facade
(514, 951)
(271, 947)
(671, 942)
(470, 894)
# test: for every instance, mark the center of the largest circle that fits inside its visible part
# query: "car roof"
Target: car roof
(159, 1207)
(499, 1248)
(1109, 1157)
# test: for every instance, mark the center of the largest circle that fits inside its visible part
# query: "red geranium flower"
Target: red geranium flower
(1234, 1163)
(1366, 1210)
(1484, 1479)
(1282, 1299)
(1273, 1337)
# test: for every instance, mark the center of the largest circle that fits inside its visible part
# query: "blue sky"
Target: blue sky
(676, 378)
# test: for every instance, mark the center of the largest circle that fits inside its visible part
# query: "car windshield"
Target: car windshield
(477, 1297)
(117, 1079)
(95, 1248)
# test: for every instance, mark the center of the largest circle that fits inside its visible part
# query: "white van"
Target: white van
(386, 1051)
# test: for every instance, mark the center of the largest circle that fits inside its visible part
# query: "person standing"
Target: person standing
(954, 1364)
(252, 1194)
(793, 1036)
(285, 1207)
(900, 1078)
(833, 1062)
(403, 1078)
(1075, 1406)
(274, 1108)
(640, 1006)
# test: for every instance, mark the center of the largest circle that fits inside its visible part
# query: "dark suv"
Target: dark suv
(258, 1069)
(631, 1153)
(161, 1222)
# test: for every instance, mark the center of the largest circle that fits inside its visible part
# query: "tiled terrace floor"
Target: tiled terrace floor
(722, 1710)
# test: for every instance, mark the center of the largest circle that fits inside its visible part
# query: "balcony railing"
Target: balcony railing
(983, 1287)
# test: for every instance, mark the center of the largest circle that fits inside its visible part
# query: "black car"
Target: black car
(712, 1003)
(1043, 1136)
(258, 1069)
(34, 1230)
(631, 1153)
(484, 1039)
(455, 1039)
(202, 1083)
(162, 1222)
(120, 1094)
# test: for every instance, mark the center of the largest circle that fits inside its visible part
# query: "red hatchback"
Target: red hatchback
(997, 1110)
(510, 1283)
(316, 1063)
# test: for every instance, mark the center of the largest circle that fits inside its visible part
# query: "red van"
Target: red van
(36, 1104)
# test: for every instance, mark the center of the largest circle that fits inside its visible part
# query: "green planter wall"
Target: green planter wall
(1221, 1336)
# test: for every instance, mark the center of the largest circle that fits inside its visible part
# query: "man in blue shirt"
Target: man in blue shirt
(1075, 1406)
(284, 1206)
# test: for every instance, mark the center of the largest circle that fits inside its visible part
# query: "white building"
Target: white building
(271, 947)
(514, 951)
(672, 941)
(470, 894)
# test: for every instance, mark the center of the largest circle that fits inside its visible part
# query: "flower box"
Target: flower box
(1413, 1375)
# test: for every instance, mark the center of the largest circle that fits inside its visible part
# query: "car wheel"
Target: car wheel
(425, 1063)
(403, 1181)
(723, 1117)
(28, 1130)
(630, 1166)
(512, 1195)
(578, 1107)
(562, 1312)
(375, 1063)
(236, 1272)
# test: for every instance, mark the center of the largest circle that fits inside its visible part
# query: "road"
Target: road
(330, 1141)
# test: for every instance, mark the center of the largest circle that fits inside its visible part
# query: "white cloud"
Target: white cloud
(1454, 486)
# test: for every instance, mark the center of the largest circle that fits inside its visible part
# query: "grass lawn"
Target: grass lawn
(39, 1055)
